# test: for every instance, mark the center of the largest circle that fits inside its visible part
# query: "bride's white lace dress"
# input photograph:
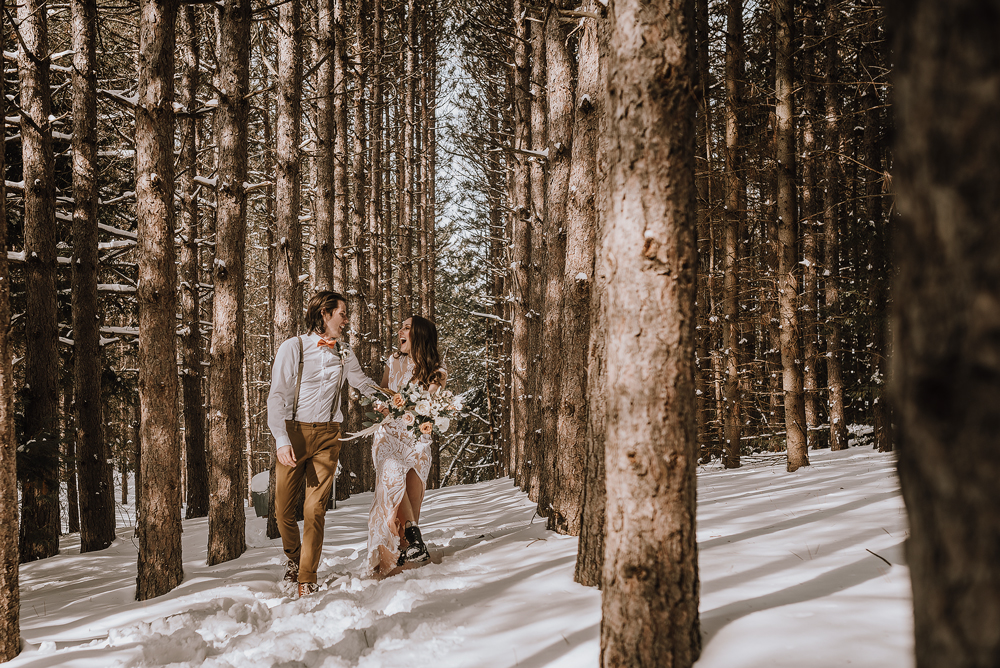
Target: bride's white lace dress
(394, 452)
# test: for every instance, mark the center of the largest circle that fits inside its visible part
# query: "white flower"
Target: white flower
(442, 423)
(423, 407)
(409, 418)
(458, 404)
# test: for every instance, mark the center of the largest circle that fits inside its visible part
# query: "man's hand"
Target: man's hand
(286, 456)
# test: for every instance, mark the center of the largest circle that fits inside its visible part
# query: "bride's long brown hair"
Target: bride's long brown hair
(424, 351)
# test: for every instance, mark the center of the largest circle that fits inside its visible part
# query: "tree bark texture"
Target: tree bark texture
(191, 347)
(40, 523)
(580, 224)
(560, 93)
(97, 503)
(832, 221)
(159, 529)
(324, 202)
(733, 235)
(789, 271)
(946, 369)
(226, 517)
(592, 130)
(342, 241)
(406, 205)
(10, 593)
(650, 601)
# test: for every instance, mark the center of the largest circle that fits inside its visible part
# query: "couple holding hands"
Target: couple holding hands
(304, 416)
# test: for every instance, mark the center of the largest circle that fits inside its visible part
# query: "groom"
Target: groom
(303, 413)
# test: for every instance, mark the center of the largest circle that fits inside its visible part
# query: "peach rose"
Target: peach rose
(398, 401)
(408, 418)
(426, 427)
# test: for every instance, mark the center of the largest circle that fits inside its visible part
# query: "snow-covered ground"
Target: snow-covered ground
(802, 569)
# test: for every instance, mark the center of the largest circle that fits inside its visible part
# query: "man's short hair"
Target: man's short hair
(322, 302)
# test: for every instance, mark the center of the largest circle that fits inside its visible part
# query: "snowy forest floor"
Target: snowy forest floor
(793, 573)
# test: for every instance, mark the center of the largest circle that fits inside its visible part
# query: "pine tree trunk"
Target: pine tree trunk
(430, 149)
(539, 145)
(520, 203)
(810, 237)
(560, 93)
(581, 429)
(158, 481)
(40, 524)
(406, 205)
(226, 517)
(324, 199)
(733, 234)
(946, 377)
(96, 491)
(342, 240)
(10, 593)
(376, 255)
(650, 601)
(191, 347)
(832, 220)
(789, 271)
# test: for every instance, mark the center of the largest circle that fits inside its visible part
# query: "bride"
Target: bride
(402, 462)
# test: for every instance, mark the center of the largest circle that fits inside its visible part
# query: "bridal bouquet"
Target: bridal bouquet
(419, 410)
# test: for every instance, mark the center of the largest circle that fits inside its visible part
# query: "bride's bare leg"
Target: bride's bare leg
(414, 494)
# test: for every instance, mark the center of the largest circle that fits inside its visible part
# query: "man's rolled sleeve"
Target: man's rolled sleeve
(282, 394)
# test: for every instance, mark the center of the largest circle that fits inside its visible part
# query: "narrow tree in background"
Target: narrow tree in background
(946, 375)
(40, 523)
(226, 518)
(10, 593)
(323, 159)
(735, 187)
(650, 594)
(159, 528)
(97, 507)
(789, 271)
(191, 346)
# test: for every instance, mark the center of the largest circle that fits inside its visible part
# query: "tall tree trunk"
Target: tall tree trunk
(732, 236)
(789, 271)
(324, 199)
(539, 146)
(560, 93)
(946, 376)
(520, 205)
(581, 221)
(873, 142)
(406, 206)
(832, 218)
(226, 518)
(159, 527)
(342, 241)
(430, 150)
(40, 522)
(377, 251)
(650, 602)
(67, 440)
(10, 592)
(97, 503)
(191, 349)
(810, 236)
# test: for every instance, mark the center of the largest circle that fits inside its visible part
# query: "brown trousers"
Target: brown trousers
(316, 446)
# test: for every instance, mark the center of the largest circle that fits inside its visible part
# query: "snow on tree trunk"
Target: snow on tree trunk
(650, 594)
(40, 524)
(789, 269)
(159, 495)
(226, 517)
(324, 197)
(946, 374)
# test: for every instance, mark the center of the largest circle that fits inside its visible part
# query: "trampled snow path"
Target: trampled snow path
(788, 575)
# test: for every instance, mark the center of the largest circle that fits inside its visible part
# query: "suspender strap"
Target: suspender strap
(298, 382)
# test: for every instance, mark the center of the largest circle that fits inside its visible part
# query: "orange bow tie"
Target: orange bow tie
(332, 345)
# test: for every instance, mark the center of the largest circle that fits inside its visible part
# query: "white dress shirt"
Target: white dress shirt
(323, 375)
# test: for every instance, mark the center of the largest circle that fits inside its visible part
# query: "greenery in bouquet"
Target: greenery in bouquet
(417, 409)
